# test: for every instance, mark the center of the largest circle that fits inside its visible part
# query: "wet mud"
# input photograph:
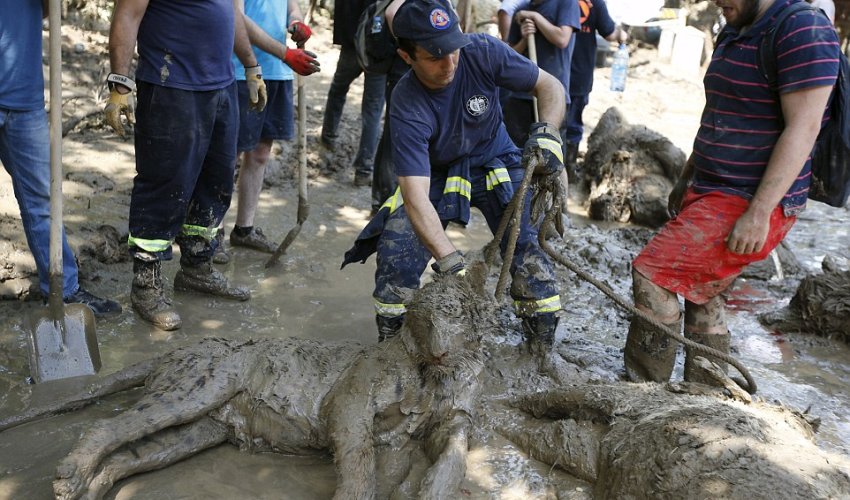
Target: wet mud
(308, 298)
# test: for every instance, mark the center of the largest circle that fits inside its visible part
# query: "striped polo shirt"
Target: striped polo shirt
(742, 119)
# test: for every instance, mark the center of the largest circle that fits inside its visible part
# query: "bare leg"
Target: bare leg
(157, 451)
(705, 324)
(250, 182)
(650, 354)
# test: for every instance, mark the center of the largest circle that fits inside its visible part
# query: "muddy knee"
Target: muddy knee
(650, 353)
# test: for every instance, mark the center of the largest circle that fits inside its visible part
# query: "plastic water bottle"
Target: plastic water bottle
(619, 69)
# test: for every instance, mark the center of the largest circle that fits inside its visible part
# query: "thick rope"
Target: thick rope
(545, 186)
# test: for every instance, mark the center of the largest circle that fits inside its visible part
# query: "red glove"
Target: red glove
(300, 33)
(301, 61)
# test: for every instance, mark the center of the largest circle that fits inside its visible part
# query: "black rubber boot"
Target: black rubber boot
(148, 296)
(204, 278)
(539, 332)
(388, 327)
(650, 354)
(694, 373)
(571, 162)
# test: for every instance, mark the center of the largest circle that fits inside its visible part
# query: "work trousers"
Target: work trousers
(401, 256)
(185, 160)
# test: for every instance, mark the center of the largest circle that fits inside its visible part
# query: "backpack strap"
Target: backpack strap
(766, 53)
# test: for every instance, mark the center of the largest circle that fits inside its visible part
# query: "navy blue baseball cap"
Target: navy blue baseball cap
(431, 24)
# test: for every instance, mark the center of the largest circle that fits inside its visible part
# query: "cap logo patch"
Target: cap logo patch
(477, 105)
(440, 19)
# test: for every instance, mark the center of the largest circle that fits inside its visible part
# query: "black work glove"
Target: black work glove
(450, 264)
(544, 143)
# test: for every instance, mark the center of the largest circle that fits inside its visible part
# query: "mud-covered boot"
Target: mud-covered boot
(539, 332)
(388, 326)
(204, 278)
(571, 162)
(148, 296)
(694, 373)
(650, 354)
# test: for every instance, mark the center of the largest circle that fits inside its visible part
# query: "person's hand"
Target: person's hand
(120, 105)
(257, 94)
(300, 33)
(749, 233)
(677, 194)
(452, 263)
(301, 61)
(544, 143)
(527, 28)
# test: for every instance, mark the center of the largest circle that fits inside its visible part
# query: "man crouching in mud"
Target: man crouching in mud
(451, 152)
(745, 182)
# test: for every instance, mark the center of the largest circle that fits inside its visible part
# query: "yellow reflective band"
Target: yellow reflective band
(207, 233)
(149, 245)
(547, 305)
(552, 146)
(458, 185)
(497, 176)
(390, 310)
(394, 201)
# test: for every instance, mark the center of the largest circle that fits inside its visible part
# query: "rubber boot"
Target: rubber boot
(388, 326)
(650, 354)
(148, 296)
(571, 162)
(694, 373)
(205, 279)
(539, 332)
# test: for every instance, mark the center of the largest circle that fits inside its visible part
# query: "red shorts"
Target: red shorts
(689, 255)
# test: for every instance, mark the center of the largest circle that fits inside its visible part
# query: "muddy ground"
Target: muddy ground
(307, 296)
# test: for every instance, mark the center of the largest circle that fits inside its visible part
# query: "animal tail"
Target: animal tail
(128, 378)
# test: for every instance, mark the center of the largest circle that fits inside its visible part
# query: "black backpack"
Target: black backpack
(831, 154)
(374, 44)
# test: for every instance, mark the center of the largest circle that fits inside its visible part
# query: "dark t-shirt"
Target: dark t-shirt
(551, 59)
(346, 15)
(186, 44)
(463, 120)
(594, 18)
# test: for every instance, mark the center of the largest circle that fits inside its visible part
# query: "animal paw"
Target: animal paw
(69, 483)
(551, 364)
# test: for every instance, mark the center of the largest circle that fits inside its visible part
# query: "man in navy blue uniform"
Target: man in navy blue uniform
(594, 19)
(451, 152)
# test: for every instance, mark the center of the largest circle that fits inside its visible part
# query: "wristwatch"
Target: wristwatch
(125, 81)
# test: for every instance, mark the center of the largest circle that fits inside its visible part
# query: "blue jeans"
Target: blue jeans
(25, 152)
(347, 70)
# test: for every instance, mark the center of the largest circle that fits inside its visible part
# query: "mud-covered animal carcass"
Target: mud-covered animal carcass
(821, 305)
(404, 418)
(629, 171)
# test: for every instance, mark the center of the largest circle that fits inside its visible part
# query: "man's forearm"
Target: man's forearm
(123, 33)
(551, 99)
(423, 217)
(241, 43)
(803, 111)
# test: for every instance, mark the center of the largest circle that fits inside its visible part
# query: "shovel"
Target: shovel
(303, 205)
(62, 338)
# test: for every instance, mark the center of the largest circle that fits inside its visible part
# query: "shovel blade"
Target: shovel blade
(63, 345)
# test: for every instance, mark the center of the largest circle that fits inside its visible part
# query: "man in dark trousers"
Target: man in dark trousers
(346, 17)
(452, 152)
(185, 138)
(743, 186)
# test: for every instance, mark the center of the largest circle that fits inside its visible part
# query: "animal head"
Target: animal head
(443, 327)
